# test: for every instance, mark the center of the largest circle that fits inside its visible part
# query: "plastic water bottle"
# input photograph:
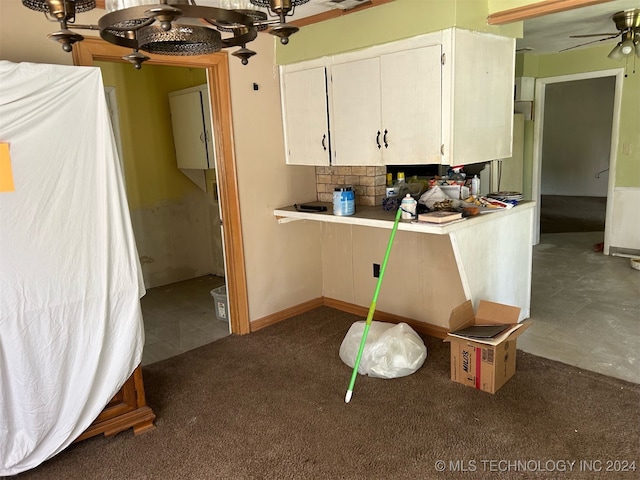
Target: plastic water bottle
(408, 206)
(475, 186)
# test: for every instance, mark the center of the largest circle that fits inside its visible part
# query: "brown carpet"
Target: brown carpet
(270, 405)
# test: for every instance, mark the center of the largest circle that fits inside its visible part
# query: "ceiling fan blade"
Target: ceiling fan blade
(595, 35)
(587, 43)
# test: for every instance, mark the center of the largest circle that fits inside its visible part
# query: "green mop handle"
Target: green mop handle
(372, 308)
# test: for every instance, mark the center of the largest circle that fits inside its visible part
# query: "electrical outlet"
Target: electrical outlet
(626, 149)
(376, 270)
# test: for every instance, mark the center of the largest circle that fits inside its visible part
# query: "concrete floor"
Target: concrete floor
(585, 307)
(180, 317)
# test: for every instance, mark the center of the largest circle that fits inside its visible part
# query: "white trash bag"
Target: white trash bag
(391, 350)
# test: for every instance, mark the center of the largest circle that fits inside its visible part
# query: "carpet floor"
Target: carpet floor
(270, 405)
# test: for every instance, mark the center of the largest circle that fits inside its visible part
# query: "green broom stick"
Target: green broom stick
(372, 308)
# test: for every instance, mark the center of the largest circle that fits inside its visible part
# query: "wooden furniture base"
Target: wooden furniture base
(127, 409)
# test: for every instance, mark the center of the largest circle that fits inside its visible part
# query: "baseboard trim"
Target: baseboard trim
(285, 314)
(421, 327)
(624, 252)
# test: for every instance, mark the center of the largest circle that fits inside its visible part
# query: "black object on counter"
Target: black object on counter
(303, 207)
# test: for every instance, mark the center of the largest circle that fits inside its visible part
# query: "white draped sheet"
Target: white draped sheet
(71, 328)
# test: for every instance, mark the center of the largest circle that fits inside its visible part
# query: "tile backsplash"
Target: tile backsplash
(369, 183)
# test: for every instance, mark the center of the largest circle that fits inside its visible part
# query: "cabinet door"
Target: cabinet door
(189, 133)
(482, 73)
(355, 115)
(306, 124)
(411, 106)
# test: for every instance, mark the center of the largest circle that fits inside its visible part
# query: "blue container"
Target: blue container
(344, 201)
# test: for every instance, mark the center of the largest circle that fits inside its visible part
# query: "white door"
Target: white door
(304, 99)
(411, 106)
(357, 136)
(189, 135)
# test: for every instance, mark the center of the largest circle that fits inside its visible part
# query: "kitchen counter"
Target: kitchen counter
(379, 218)
(433, 267)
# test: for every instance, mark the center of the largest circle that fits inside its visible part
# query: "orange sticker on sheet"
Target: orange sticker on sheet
(6, 175)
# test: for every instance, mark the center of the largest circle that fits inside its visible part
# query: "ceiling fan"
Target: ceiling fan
(628, 24)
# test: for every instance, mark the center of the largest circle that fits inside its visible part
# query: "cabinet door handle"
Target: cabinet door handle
(202, 137)
(378, 140)
(384, 139)
(324, 146)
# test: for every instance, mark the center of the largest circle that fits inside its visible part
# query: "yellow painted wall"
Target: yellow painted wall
(595, 59)
(386, 23)
(147, 139)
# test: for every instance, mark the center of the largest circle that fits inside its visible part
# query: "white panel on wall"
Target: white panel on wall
(625, 227)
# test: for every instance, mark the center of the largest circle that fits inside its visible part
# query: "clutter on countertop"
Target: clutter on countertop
(453, 192)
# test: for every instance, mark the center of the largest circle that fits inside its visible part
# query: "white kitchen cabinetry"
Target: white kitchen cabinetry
(355, 114)
(444, 97)
(387, 109)
(305, 115)
(192, 128)
(477, 96)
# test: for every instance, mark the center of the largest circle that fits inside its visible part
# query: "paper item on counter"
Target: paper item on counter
(439, 216)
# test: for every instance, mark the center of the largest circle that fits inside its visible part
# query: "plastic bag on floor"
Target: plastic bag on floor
(391, 350)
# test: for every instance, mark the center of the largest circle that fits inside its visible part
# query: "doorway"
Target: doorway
(217, 73)
(560, 177)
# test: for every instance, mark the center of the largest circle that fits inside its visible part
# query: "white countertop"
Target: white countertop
(379, 218)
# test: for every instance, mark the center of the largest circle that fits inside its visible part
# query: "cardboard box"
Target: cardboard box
(485, 364)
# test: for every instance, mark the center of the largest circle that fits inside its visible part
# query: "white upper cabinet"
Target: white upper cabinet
(192, 128)
(411, 106)
(305, 116)
(386, 109)
(440, 98)
(355, 116)
(478, 97)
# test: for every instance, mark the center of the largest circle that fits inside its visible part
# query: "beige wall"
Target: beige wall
(283, 262)
(421, 281)
(23, 34)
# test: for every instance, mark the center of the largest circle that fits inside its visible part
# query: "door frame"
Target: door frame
(217, 67)
(540, 88)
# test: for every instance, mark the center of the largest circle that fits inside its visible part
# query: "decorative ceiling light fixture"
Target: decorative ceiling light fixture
(628, 22)
(625, 48)
(172, 27)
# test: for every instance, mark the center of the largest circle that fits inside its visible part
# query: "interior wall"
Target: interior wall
(283, 261)
(389, 22)
(590, 60)
(23, 34)
(421, 281)
(173, 219)
(577, 137)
